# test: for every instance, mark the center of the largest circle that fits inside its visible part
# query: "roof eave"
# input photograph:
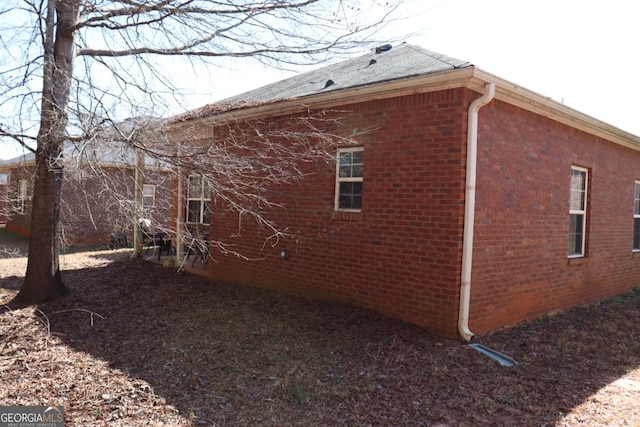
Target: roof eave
(7, 167)
(469, 77)
(374, 91)
(545, 106)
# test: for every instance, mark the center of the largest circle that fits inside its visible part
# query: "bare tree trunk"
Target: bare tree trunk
(139, 184)
(43, 280)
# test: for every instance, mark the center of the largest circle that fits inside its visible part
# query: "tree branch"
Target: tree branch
(179, 51)
(19, 138)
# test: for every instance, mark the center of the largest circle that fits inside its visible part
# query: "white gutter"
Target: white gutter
(469, 209)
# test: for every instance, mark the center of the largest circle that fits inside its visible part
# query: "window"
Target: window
(21, 197)
(636, 219)
(198, 200)
(577, 212)
(349, 172)
(148, 196)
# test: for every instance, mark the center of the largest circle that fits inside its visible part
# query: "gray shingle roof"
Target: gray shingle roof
(107, 152)
(381, 65)
(27, 157)
(107, 149)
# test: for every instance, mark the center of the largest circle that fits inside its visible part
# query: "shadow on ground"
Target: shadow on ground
(12, 245)
(225, 355)
(15, 246)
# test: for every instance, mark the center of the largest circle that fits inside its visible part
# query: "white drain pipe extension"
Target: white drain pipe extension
(469, 209)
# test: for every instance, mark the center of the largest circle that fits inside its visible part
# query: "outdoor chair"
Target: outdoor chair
(158, 239)
(197, 244)
(119, 241)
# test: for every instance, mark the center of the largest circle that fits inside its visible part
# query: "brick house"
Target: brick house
(472, 203)
(97, 198)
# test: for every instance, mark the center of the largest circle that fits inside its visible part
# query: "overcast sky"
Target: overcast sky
(583, 53)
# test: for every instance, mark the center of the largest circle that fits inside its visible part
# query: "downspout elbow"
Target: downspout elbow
(469, 209)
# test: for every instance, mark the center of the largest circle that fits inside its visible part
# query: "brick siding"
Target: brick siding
(18, 222)
(89, 212)
(520, 264)
(401, 255)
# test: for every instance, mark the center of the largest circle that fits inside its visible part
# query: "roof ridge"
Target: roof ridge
(383, 64)
(437, 56)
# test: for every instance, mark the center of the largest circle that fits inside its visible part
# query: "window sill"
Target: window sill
(635, 253)
(197, 224)
(577, 260)
(346, 216)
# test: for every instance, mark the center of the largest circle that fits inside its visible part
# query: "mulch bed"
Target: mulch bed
(137, 344)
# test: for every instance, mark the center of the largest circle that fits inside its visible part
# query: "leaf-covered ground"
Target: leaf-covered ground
(137, 344)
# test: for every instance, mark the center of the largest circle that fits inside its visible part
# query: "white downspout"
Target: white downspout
(469, 209)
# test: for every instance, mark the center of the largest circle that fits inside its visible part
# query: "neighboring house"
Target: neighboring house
(97, 199)
(472, 203)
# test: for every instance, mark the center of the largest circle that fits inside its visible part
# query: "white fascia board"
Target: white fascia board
(471, 77)
(408, 86)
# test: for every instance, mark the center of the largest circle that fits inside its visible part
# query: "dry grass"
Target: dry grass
(136, 344)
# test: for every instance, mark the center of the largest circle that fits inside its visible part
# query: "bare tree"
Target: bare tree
(80, 65)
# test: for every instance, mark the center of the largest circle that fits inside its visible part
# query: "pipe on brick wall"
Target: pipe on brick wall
(469, 209)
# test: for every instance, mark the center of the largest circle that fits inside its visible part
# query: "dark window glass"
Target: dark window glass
(350, 195)
(206, 214)
(193, 214)
(575, 234)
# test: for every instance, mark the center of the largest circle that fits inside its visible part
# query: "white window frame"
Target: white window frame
(22, 197)
(203, 198)
(636, 218)
(342, 179)
(148, 196)
(582, 211)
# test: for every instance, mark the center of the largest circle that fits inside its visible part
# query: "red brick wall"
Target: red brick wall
(90, 211)
(520, 264)
(16, 222)
(401, 255)
(94, 208)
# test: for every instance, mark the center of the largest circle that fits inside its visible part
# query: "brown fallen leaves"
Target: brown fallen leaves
(136, 344)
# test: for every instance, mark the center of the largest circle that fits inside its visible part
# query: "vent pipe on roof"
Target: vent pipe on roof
(469, 209)
(383, 48)
(377, 50)
(330, 81)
